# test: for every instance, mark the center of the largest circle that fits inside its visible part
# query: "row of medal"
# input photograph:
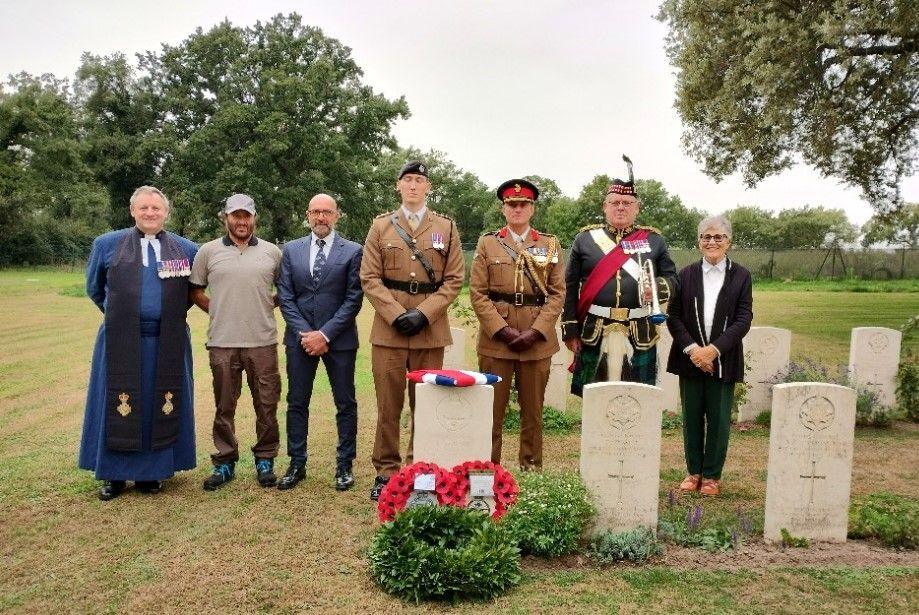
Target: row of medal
(176, 268)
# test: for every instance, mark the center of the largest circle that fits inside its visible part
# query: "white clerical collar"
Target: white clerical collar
(149, 240)
(328, 238)
(420, 213)
(521, 237)
(720, 265)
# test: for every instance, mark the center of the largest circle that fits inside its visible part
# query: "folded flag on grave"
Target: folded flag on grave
(452, 377)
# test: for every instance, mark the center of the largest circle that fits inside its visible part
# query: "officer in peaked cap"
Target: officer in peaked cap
(517, 289)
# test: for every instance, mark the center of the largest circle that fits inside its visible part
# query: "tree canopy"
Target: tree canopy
(763, 84)
(898, 228)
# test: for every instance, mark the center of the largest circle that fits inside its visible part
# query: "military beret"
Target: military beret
(517, 190)
(414, 166)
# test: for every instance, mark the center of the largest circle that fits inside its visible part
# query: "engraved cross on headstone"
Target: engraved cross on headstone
(621, 476)
(813, 476)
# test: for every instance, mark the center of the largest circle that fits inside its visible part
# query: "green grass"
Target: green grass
(246, 549)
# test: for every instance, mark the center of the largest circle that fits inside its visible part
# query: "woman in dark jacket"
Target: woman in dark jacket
(708, 319)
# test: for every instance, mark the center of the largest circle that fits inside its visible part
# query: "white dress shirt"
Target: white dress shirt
(314, 248)
(712, 281)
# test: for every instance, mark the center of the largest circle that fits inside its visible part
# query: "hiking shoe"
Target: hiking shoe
(264, 469)
(222, 474)
(344, 479)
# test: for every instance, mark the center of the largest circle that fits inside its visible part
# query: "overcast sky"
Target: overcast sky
(509, 88)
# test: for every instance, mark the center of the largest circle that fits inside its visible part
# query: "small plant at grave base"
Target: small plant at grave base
(764, 418)
(741, 389)
(444, 553)
(552, 511)
(794, 541)
(636, 545)
(892, 519)
(672, 420)
(553, 421)
(690, 528)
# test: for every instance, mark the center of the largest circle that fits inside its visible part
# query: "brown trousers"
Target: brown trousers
(531, 377)
(261, 367)
(389, 368)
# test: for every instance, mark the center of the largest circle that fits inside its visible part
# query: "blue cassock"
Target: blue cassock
(146, 464)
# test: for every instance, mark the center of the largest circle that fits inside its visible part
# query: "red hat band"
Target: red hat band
(518, 192)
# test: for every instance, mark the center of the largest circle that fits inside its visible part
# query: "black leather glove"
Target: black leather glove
(525, 340)
(411, 322)
(507, 335)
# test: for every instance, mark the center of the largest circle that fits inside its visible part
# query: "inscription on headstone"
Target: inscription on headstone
(455, 354)
(766, 351)
(810, 461)
(558, 386)
(452, 424)
(620, 452)
(874, 356)
(669, 383)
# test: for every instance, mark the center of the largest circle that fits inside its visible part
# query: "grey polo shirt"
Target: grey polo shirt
(239, 284)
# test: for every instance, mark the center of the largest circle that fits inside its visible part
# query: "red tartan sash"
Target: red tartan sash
(604, 272)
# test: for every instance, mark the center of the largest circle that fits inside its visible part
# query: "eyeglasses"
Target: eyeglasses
(621, 203)
(716, 238)
(320, 212)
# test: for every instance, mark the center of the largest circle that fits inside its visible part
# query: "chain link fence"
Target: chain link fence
(825, 263)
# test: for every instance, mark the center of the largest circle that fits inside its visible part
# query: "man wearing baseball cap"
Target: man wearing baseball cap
(238, 270)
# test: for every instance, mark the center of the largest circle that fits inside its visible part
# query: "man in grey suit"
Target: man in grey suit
(319, 292)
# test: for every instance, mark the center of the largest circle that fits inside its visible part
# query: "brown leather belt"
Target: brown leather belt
(413, 287)
(517, 299)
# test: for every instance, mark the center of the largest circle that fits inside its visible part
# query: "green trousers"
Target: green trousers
(706, 424)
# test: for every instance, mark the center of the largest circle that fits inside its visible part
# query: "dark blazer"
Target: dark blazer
(329, 304)
(733, 317)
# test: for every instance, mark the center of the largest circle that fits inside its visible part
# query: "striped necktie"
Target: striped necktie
(413, 221)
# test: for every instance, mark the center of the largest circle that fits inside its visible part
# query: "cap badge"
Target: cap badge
(517, 188)
(421, 168)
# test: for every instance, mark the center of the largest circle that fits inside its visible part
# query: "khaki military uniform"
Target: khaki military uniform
(503, 295)
(394, 280)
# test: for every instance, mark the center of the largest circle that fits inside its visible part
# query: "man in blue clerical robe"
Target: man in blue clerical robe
(139, 419)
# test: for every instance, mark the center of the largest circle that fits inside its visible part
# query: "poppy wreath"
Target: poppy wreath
(506, 490)
(397, 491)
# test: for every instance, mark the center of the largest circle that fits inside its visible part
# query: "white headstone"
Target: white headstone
(810, 461)
(669, 383)
(767, 351)
(558, 387)
(874, 355)
(455, 354)
(453, 424)
(621, 452)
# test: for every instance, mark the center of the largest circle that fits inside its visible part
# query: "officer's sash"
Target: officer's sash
(607, 267)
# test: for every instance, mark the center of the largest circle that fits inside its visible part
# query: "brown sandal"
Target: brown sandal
(691, 482)
(710, 486)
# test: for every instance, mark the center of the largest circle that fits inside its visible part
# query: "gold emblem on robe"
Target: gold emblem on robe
(168, 407)
(124, 408)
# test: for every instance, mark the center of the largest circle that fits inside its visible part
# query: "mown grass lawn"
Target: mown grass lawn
(245, 549)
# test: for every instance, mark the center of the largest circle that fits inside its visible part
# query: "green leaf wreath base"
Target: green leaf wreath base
(444, 553)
